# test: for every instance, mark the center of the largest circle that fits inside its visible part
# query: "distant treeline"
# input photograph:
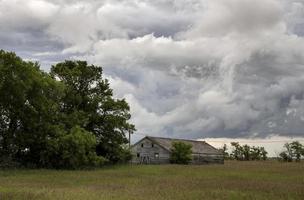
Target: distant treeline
(293, 151)
(66, 118)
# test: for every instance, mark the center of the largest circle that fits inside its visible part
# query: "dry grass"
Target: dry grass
(234, 180)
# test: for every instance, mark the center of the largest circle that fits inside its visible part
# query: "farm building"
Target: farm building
(157, 150)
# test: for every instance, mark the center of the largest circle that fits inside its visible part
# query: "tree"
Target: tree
(263, 153)
(63, 119)
(285, 157)
(293, 150)
(246, 152)
(88, 102)
(73, 150)
(255, 153)
(288, 150)
(224, 149)
(237, 152)
(181, 153)
(27, 109)
(297, 150)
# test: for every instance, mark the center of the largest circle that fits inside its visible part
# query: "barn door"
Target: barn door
(145, 159)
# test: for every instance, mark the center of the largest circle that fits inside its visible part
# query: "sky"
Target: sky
(223, 69)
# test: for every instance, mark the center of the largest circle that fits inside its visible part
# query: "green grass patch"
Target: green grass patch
(233, 180)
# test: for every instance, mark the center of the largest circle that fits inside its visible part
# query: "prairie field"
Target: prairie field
(233, 180)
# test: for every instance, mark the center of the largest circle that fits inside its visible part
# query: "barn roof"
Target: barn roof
(201, 147)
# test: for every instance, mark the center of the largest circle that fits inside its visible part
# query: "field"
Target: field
(234, 180)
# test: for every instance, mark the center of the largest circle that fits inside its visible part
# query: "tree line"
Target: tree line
(65, 118)
(244, 152)
(293, 151)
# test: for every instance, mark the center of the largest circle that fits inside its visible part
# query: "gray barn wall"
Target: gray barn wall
(148, 151)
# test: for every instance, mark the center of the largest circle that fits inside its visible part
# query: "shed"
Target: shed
(157, 150)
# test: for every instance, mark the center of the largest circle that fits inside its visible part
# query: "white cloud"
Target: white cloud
(214, 68)
(223, 17)
(32, 14)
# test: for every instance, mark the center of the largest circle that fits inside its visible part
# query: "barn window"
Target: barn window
(156, 155)
(138, 155)
(142, 145)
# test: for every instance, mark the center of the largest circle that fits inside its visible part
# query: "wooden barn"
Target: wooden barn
(157, 150)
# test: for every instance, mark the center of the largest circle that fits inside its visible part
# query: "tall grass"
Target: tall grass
(234, 180)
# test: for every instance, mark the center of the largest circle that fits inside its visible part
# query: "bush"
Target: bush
(285, 157)
(118, 154)
(181, 153)
(7, 162)
(74, 150)
(125, 155)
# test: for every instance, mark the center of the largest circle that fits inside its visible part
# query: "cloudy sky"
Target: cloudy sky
(188, 68)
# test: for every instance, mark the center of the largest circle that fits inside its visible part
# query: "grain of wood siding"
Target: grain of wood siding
(145, 150)
(148, 151)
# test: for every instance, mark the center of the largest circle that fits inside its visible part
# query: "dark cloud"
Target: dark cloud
(189, 69)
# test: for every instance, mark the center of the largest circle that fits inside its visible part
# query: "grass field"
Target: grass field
(234, 180)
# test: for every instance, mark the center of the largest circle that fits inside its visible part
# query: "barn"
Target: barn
(157, 150)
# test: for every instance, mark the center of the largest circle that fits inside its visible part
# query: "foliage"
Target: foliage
(263, 153)
(124, 154)
(237, 152)
(64, 119)
(285, 157)
(297, 150)
(27, 109)
(247, 152)
(293, 151)
(88, 102)
(181, 153)
(8, 163)
(73, 150)
(224, 149)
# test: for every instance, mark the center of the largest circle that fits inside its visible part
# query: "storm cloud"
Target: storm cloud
(190, 69)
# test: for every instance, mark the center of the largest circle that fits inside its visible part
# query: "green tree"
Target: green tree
(28, 106)
(246, 152)
(288, 151)
(237, 152)
(297, 150)
(285, 157)
(224, 149)
(65, 119)
(73, 150)
(293, 150)
(255, 153)
(88, 102)
(263, 153)
(181, 153)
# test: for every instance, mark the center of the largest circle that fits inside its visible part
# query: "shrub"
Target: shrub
(73, 150)
(285, 157)
(181, 153)
(7, 162)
